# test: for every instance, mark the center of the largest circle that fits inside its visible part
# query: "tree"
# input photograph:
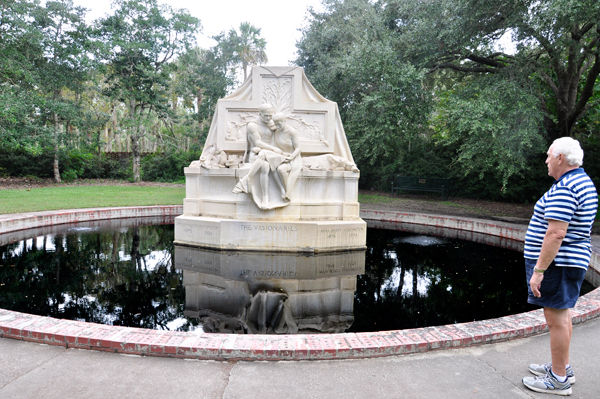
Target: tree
(43, 64)
(494, 107)
(350, 56)
(557, 43)
(139, 41)
(20, 56)
(65, 41)
(489, 134)
(247, 47)
(203, 77)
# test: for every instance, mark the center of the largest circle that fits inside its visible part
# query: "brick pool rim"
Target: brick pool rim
(192, 345)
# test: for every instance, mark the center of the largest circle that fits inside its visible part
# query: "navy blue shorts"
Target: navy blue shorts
(560, 286)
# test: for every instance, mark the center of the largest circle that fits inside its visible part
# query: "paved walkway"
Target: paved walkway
(32, 370)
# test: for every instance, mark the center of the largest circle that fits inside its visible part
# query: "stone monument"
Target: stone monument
(276, 172)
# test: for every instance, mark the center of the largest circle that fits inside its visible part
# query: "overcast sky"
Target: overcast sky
(278, 20)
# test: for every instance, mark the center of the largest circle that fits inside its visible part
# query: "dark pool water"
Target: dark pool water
(130, 273)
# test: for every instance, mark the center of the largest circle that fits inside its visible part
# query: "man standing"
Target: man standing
(557, 254)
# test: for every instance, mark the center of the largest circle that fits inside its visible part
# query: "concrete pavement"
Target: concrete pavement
(31, 370)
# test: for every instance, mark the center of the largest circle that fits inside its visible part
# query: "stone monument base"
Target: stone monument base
(318, 195)
(285, 236)
(322, 216)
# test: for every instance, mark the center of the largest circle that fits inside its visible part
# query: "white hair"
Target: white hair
(570, 148)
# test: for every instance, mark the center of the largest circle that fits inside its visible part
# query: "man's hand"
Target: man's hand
(535, 283)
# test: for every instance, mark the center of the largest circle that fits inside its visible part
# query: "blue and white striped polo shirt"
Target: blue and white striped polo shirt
(572, 199)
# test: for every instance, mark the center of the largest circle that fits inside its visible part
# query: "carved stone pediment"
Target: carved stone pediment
(287, 89)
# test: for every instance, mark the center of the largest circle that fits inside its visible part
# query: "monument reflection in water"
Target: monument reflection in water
(258, 293)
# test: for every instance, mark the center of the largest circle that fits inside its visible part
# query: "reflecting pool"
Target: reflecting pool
(128, 272)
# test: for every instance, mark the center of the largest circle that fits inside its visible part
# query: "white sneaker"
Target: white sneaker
(548, 384)
(543, 369)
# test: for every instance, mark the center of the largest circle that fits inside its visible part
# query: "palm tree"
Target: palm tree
(248, 46)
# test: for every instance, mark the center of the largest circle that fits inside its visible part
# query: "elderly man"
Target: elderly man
(557, 254)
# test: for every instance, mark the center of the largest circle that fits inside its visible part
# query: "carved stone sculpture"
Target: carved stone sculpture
(276, 172)
(271, 153)
(264, 158)
(328, 162)
(288, 140)
(214, 160)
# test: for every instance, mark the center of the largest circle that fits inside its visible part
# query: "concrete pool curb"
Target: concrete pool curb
(127, 340)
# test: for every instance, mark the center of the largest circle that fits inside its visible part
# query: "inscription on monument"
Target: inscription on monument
(250, 227)
(350, 232)
(207, 230)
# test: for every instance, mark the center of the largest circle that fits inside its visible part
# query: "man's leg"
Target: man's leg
(282, 173)
(561, 328)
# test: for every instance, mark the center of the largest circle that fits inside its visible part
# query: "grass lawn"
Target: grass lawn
(375, 198)
(72, 197)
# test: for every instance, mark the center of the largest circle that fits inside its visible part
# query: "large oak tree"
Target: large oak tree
(555, 42)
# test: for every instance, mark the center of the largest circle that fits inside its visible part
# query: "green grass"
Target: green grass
(448, 203)
(375, 198)
(70, 197)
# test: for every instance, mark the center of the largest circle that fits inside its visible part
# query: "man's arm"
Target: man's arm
(252, 130)
(295, 142)
(552, 241)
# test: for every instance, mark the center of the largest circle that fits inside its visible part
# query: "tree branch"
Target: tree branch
(586, 92)
(550, 83)
(587, 107)
(584, 29)
(463, 69)
(554, 56)
(486, 60)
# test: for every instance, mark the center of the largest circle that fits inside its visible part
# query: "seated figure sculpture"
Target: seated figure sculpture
(287, 139)
(265, 156)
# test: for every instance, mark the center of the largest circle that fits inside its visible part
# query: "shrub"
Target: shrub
(19, 162)
(167, 167)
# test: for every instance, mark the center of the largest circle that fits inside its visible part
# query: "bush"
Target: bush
(103, 167)
(73, 164)
(19, 162)
(428, 160)
(167, 167)
(424, 159)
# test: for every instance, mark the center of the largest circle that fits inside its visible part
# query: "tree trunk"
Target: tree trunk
(401, 282)
(55, 166)
(135, 152)
(113, 130)
(135, 141)
(245, 68)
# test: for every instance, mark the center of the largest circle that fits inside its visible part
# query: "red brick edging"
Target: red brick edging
(74, 334)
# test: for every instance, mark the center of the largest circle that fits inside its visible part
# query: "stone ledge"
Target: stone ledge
(30, 220)
(73, 334)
